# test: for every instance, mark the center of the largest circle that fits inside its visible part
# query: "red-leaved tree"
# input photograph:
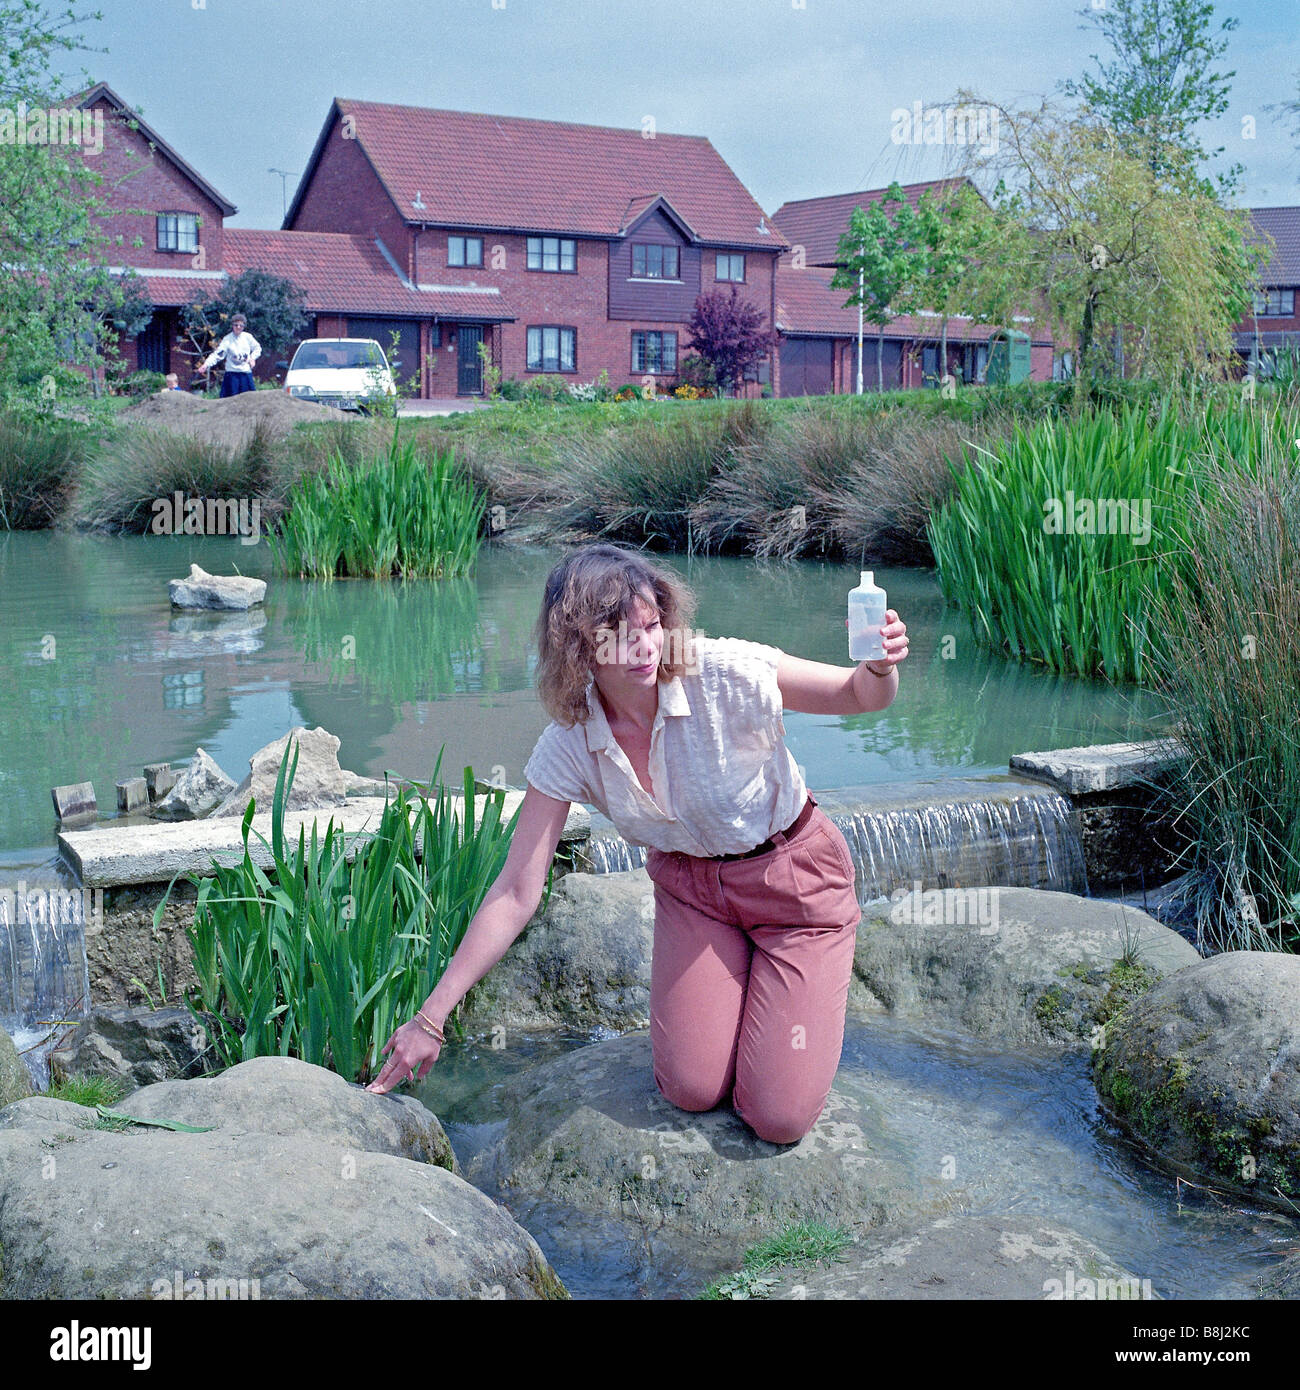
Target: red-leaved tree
(730, 333)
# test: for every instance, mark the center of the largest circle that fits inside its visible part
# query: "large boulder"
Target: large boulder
(198, 790)
(136, 1046)
(592, 1132)
(15, 1080)
(584, 961)
(318, 780)
(304, 1186)
(967, 1256)
(203, 590)
(1205, 1072)
(1022, 965)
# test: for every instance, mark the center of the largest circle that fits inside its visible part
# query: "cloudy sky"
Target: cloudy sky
(797, 95)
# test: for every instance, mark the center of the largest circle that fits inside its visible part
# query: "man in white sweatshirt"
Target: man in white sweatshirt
(240, 350)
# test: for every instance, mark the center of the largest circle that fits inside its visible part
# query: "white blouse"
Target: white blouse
(724, 779)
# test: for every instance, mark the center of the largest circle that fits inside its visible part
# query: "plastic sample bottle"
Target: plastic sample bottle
(866, 618)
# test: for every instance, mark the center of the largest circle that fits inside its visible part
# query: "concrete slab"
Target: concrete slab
(113, 855)
(1101, 767)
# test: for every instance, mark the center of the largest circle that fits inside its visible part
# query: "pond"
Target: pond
(101, 677)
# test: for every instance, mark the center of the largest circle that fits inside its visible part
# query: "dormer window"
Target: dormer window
(178, 231)
(654, 262)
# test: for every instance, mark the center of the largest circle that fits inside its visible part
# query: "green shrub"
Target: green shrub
(321, 958)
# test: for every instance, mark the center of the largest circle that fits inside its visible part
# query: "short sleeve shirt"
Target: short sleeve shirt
(724, 779)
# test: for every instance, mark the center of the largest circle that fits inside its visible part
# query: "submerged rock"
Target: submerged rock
(1022, 965)
(968, 1257)
(203, 590)
(1205, 1072)
(198, 790)
(304, 1187)
(591, 1131)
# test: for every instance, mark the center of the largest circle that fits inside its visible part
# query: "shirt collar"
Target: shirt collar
(672, 701)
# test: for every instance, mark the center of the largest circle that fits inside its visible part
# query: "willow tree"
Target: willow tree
(1141, 266)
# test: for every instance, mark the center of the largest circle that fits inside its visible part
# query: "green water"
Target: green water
(100, 677)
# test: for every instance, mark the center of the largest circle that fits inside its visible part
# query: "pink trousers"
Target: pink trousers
(749, 980)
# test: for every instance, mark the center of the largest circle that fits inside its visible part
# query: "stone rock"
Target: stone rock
(1204, 1071)
(200, 788)
(54, 1118)
(137, 1046)
(204, 590)
(318, 780)
(1023, 965)
(307, 1185)
(592, 1132)
(968, 1257)
(15, 1080)
(581, 962)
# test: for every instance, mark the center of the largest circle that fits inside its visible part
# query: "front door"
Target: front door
(151, 346)
(469, 371)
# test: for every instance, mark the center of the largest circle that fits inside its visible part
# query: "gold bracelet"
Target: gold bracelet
(436, 1031)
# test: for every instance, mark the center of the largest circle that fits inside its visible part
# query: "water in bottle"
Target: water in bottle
(866, 618)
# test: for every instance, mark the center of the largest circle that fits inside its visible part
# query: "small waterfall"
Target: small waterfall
(44, 975)
(973, 833)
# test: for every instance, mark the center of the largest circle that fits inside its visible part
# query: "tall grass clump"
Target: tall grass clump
(1225, 653)
(642, 483)
(139, 466)
(322, 958)
(39, 460)
(1057, 541)
(399, 514)
(841, 481)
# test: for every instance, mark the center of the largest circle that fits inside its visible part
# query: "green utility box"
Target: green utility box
(1008, 357)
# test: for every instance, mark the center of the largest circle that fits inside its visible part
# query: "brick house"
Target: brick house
(818, 352)
(568, 249)
(171, 209)
(1275, 322)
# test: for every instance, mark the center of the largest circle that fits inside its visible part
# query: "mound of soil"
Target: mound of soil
(228, 422)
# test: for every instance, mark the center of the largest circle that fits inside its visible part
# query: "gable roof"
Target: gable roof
(640, 208)
(1283, 225)
(101, 91)
(513, 174)
(818, 223)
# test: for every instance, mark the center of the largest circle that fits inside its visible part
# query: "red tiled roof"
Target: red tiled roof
(344, 273)
(171, 291)
(470, 169)
(1283, 225)
(818, 223)
(806, 304)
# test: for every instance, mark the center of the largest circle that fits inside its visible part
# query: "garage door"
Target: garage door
(806, 366)
(382, 330)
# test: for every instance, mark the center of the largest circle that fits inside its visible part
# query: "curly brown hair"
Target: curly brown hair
(590, 589)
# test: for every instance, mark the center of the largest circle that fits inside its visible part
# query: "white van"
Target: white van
(342, 372)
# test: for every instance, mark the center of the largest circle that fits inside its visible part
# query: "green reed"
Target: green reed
(402, 514)
(325, 954)
(1080, 602)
